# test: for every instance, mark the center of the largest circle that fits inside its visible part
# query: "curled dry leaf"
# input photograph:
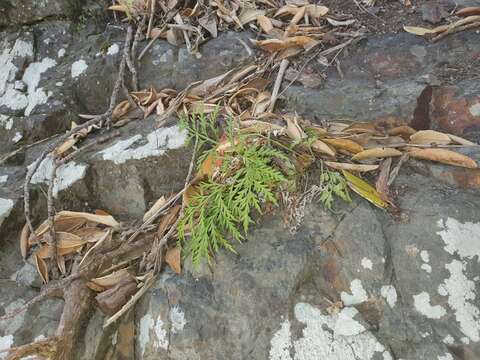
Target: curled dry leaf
(168, 220)
(468, 11)
(321, 147)
(248, 14)
(265, 23)
(429, 137)
(66, 244)
(273, 45)
(155, 207)
(41, 268)
(112, 279)
(90, 234)
(344, 145)
(294, 131)
(364, 189)
(259, 127)
(403, 131)
(416, 30)
(461, 141)
(173, 259)
(340, 23)
(65, 146)
(350, 167)
(376, 153)
(107, 220)
(444, 156)
(24, 245)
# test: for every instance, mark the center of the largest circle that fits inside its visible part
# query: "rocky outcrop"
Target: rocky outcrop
(355, 284)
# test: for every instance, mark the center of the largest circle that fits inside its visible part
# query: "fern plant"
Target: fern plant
(222, 206)
(333, 184)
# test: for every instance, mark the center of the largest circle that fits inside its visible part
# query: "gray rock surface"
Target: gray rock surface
(409, 290)
(351, 285)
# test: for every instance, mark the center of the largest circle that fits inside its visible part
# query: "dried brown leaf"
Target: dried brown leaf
(468, 11)
(376, 153)
(444, 156)
(350, 167)
(265, 24)
(41, 268)
(294, 131)
(155, 207)
(459, 140)
(112, 279)
(429, 137)
(321, 147)
(99, 219)
(345, 145)
(24, 245)
(173, 259)
(403, 131)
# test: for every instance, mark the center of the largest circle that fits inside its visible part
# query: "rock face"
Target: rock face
(409, 290)
(354, 284)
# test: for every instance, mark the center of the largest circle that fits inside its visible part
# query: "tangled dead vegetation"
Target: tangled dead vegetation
(247, 157)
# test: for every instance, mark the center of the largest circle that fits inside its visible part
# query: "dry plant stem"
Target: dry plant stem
(278, 82)
(151, 17)
(51, 219)
(149, 45)
(455, 30)
(396, 169)
(157, 250)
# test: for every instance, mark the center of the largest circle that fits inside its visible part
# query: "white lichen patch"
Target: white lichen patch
(449, 340)
(78, 67)
(6, 122)
(6, 206)
(475, 109)
(281, 343)
(460, 238)
(335, 337)
(113, 49)
(366, 263)
(17, 137)
(31, 77)
(358, 295)
(6, 342)
(424, 256)
(3, 179)
(426, 268)
(157, 143)
(149, 325)
(462, 299)
(422, 305)
(389, 293)
(20, 49)
(177, 319)
(61, 53)
(66, 176)
(447, 356)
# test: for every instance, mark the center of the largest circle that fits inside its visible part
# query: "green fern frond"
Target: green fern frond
(333, 184)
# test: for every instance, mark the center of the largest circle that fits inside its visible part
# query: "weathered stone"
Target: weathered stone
(404, 70)
(21, 12)
(456, 109)
(281, 305)
(36, 323)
